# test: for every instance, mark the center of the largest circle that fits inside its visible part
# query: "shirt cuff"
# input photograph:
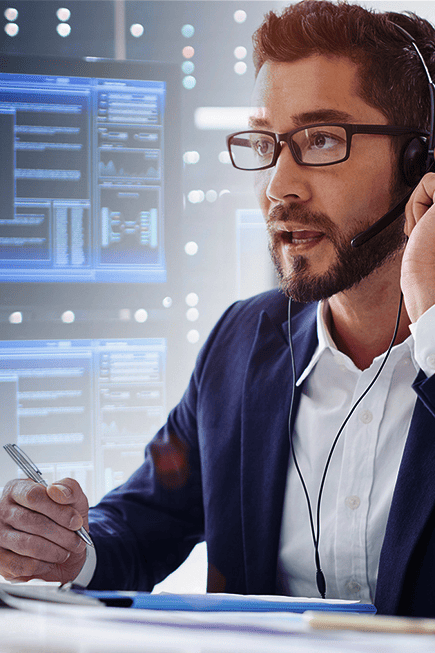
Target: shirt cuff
(87, 571)
(424, 341)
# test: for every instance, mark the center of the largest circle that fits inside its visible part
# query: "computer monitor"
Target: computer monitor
(82, 408)
(88, 169)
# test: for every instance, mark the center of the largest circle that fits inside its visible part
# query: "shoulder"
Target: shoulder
(275, 304)
(240, 321)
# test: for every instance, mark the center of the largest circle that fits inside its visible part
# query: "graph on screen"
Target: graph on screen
(83, 173)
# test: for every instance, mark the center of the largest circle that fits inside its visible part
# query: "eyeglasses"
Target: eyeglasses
(323, 144)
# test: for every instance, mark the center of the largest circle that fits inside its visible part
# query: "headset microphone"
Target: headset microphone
(382, 223)
(386, 220)
(417, 159)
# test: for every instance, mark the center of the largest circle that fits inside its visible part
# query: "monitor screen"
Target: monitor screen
(85, 169)
(82, 408)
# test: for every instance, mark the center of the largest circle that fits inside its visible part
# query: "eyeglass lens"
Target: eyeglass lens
(311, 145)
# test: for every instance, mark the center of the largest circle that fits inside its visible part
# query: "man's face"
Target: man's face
(312, 213)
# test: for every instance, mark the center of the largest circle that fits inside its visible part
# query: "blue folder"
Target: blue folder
(219, 602)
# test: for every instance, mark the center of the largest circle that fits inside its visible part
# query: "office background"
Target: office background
(141, 337)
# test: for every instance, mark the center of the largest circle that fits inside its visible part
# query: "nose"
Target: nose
(288, 179)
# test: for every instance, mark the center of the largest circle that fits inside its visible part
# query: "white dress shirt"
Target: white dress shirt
(364, 466)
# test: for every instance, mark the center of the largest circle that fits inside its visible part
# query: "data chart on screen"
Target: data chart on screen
(82, 179)
(83, 408)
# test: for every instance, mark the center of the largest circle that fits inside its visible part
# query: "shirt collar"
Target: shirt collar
(326, 343)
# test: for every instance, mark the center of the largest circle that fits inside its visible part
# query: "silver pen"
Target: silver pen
(30, 469)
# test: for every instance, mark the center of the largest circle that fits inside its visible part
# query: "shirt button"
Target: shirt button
(353, 502)
(353, 587)
(430, 360)
(366, 416)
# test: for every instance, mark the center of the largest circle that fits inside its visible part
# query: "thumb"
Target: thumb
(68, 492)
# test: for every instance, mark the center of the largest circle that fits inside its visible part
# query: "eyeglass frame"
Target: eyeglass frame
(350, 129)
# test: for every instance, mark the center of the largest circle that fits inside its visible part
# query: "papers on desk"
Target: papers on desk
(178, 602)
(61, 628)
(224, 602)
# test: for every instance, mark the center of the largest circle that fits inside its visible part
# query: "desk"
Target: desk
(82, 630)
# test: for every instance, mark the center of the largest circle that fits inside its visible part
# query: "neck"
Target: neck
(362, 319)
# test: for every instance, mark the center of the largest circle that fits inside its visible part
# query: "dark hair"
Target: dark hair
(391, 76)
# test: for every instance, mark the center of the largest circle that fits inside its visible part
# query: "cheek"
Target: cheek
(261, 182)
(375, 176)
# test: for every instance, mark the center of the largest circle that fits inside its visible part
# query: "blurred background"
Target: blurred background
(124, 230)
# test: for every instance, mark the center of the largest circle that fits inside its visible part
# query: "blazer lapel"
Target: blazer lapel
(413, 501)
(265, 446)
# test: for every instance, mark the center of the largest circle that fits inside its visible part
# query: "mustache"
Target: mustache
(304, 217)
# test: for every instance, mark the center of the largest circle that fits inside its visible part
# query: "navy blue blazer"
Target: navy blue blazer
(217, 471)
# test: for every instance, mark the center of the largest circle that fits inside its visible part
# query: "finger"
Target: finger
(20, 568)
(422, 198)
(33, 546)
(68, 492)
(34, 497)
(23, 524)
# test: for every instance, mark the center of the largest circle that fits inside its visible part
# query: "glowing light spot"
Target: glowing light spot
(192, 299)
(240, 68)
(141, 315)
(193, 336)
(16, 317)
(11, 29)
(224, 157)
(11, 13)
(68, 317)
(189, 82)
(192, 314)
(187, 67)
(137, 30)
(240, 52)
(191, 157)
(188, 31)
(63, 29)
(196, 196)
(191, 248)
(188, 52)
(240, 16)
(63, 14)
(167, 302)
(211, 196)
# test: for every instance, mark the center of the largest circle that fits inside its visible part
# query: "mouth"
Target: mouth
(301, 237)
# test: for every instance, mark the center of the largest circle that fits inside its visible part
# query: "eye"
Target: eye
(263, 146)
(324, 141)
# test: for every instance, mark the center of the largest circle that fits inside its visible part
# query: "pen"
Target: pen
(369, 623)
(30, 469)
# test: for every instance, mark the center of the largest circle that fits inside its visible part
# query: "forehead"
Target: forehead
(285, 92)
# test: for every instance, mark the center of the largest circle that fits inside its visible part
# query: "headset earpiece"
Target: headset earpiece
(413, 160)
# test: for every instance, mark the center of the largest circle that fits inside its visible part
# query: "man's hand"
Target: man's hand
(418, 265)
(37, 524)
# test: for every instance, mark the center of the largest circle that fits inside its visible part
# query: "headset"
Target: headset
(417, 158)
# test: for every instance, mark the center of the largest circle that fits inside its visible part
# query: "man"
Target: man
(221, 469)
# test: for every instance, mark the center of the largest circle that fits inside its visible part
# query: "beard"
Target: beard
(351, 265)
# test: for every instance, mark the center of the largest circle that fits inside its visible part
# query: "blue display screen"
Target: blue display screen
(83, 408)
(82, 179)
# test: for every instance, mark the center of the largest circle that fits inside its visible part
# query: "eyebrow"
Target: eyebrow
(307, 118)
